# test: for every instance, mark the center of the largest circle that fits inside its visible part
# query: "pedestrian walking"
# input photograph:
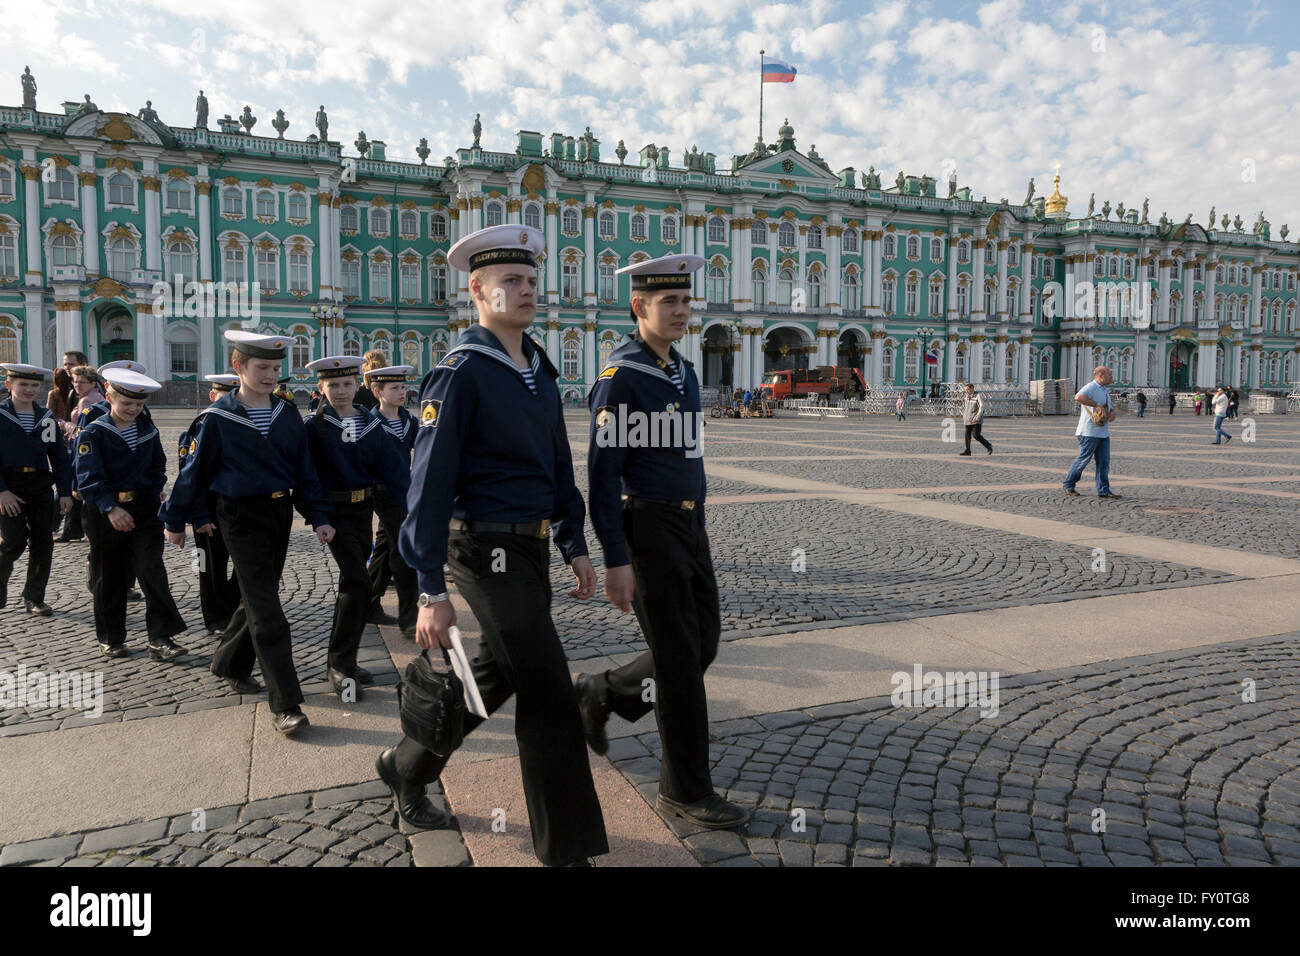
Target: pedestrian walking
(492, 478)
(1233, 401)
(647, 508)
(1093, 431)
(1141, 404)
(1220, 412)
(1173, 400)
(898, 407)
(386, 561)
(972, 416)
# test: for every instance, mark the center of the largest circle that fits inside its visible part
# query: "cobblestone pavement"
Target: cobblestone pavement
(343, 826)
(1150, 760)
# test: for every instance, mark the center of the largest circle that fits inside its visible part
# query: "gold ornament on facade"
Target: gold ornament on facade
(231, 181)
(66, 305)
(1056, 203)
(87, 178)
(552, 208)
(588, 212)
(107, 288)
(121, 232)
(117, 128)
(151, 183)
(61, 229)
(264, 183)
(786, 184)
(589, 326)
(475, 202)
(265, 244)
(513, 205)
(378, 201)
(31, 173)
(203, 189)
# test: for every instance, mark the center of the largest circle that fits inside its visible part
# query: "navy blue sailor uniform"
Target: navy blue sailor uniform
(33, 460)
(126, 469)
(259, 478)
(386, 561)
(647, 490)
(352, 456)
(218, 587)
(493, 473)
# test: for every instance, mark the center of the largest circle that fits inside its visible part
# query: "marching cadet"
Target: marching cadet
(492, 472)
(32, 460)
(218, 588)
(353, 453)
(250, 451)
(647, 508)
(121, 473)
(389, 387)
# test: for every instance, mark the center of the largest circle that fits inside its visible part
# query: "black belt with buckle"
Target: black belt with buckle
(634, 501)
(24, 469)
(532, 529)
(355, 496)
(122, 497)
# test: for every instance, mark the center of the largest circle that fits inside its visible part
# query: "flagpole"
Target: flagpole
(760, 95)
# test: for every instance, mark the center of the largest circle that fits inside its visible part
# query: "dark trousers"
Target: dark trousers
(256, 532)
(386, 562)
(521, 655)
(350, 547)
(72, 522)
(114, 557)
(676, 604)
(33, 529)
(218, 587)
(973, 431)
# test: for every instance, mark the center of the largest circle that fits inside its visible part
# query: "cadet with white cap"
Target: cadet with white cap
(388, 385)
(647, 507)
(32, 460)
(121, 473)
(353, 454)
(250, 450)
(492, 461)
(218, 588)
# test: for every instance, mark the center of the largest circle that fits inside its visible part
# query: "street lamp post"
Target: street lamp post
(329, 317)
(925, 334)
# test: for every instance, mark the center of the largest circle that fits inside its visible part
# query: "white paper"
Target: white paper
(460, 664)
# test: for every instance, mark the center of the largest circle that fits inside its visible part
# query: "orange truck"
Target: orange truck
(833, 381)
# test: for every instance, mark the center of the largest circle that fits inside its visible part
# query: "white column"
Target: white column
(1256, 296)
(700, 250)
(1189, 294)
(1211, 266)
(737, 367)
(589, 370)
(1000, 306)
(877, 295)
(1255, 361)
(1234, 373)
(1026, 369)
(833, 268)
(976, 293)
(454, 288)
(202, 196)
(877, 356)
(952, 280)
(1026, 283)
(1162, 308)
(326, 236)
(757, 357)
(1000, 360)
(950, 357)
(34, 331)
(801, 280)
(737, 260)
(32, 223)
(475, 212)
(553, 342)
(152, 218)
(513, 205)
(746, 357)
(774, 265)
(90, 214)
(552, 250)
(1141, 353)
(589, 256)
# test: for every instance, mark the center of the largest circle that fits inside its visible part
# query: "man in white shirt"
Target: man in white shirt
(1094, 439)
(1221, 401)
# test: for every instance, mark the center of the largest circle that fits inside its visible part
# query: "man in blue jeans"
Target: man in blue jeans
(1094, 440)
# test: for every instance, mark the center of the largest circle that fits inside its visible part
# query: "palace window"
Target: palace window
(411, 353)
(437, 283)
(184, 348)
(668, 229)
(65, 250)
(121, 259)
(717, 284)
(814, 290)
(492, 214)
(569, 221)
(378, 222)
(888, 367)
(759, 287)
(1013, 255)
(637, 226)
(913, 247)
(963, 251)
(990, 256)
(571, 359)
(348, 219)
(1033, 267)
(351, 275)
(6, 181)
(988, 298)
(1128, 267)
(408, 281)
(266, 204)
(1045, 364)
(266, 269)
(300, 353)
(607, 346)
(178, 195)
(814, 237)
(62, 187)
(8, 344)
(408, 224)
(887, 287)
(936, 250)
(963, 299)
(784, 287)
(438, 227)
(1098, 267)
(8, 257)
(849, 241)
(234, 268)
(605, 281)
(986, 362)
(606, 223)
(889, 247)
(439, 349)
(532, 217)
(785, 235)
(295, 206)
(911, 362)
(912, 303)
(850, 293)
(121, 190)
(717, 229)
(180, 261)
(936, 299)
(569, 281)
(758, 233)
(960, 362)
(379, 279)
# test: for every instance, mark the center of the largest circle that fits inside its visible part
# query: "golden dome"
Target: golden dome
(1056, 203)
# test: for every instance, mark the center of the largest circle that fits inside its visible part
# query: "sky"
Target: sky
(1189, 102)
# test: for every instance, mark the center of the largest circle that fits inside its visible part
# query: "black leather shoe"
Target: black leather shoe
(134, 595)
(1071, 492)
(38, 608)
(962, 454)
(165, 650)
(243, 685)
(363, 676)
(412, 805)
(1111, 495)
(113, 650)
(380, 616)
(340, 682)
(290, 721)
(712, 813)
(592, 709)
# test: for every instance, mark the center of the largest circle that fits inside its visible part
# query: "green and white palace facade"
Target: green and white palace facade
(806, 266)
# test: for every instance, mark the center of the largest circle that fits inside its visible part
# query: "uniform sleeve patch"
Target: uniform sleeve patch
(451, 361)
(608, 373)
(194, 445)
(430, 409)
(83, 448)
(604, 416)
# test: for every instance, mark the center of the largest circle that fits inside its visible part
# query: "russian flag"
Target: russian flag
(774, 71)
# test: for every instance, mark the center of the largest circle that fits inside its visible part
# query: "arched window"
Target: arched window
(408, 224)
(888, 367)
(439, 349)
(6, 184)
(65, 250)
(178, 195)
(637, 226)
(438, 227)
(352, 343)
(265, 204)
(300, 353)
(887, 290)
(234, 266)
(889, 248)
(350, 272)
(607, 346)
(912, 304)
(668, 229)
(963, 298)
(532, 216)
(121, 259)
(1045, 364)
(571, 359)
(936, 300)
(605, 282)
(408, 281)
(784, 286)
(378, 222)
(180, 261)
(437, 283)
(1277, 315)
(1099, 267)
(814, 290)
(8, 344)
(936, 250)
(296, 206)
(8, 257)
(1009, 368)
(1013, 255)
(850, 292)
(348, 219)
(913, 247)
(962, 364)
(849, 241)
(717, 284)
(380, 279)
(183, 351)
(988, 298)
(759, 289)
(493, 214)
(62, 186)
(411, 353)
(990, 253)
(717, 229)
(606, 223)
(266, 268)
(758, 233)
(986, 362)
(785, 235)
(814, 237)
(963, 251)
(569, 221)
(121, 190)
(569, 281)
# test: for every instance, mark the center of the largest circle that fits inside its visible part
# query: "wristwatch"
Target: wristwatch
(427, 600)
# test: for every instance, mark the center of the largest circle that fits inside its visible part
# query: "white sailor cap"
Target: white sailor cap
(19, 370)
(666, 272)
(130, 384)
(259, 346)
(497, 245)
(337, 366)
(128, 364)
(394, 373)
(223, 383)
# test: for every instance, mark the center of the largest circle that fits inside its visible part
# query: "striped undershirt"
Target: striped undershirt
(674, 372)
(28, 420)
(397, 426)
(130, 435)
(530, 375)
(261, 418)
